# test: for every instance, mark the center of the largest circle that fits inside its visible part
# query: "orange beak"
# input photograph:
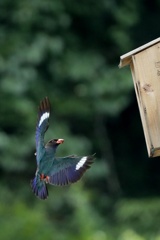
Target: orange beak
(59, 141)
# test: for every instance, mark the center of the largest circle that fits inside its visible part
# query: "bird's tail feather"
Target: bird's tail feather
(39, 188)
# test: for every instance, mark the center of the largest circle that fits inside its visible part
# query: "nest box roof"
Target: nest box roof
(126, 58)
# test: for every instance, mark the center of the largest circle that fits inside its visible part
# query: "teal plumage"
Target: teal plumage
(51, 169)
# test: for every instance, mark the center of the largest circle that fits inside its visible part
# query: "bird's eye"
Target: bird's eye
(51, 141)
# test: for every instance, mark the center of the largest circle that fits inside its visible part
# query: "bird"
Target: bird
(58, 171)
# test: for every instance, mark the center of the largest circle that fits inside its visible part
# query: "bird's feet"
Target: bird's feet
(44, 178)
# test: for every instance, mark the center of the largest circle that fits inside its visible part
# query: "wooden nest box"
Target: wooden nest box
(145, 67)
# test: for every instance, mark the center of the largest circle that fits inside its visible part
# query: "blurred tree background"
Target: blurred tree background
(69, 51)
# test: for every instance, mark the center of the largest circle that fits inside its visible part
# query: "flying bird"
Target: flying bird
(58, 171)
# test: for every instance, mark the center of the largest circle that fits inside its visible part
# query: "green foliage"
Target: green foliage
(140, 218)
(21, 222)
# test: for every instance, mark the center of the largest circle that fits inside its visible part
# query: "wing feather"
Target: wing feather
(69, 169)
(42, 126)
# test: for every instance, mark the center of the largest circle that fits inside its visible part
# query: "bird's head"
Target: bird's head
(53, 143)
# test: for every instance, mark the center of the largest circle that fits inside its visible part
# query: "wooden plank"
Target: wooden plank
(140, 105)
(126, 58)
(147, 85)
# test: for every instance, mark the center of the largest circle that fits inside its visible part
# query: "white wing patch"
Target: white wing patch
(43, 117)
(81, 163)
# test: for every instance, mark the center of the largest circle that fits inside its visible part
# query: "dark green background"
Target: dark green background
(69, 51)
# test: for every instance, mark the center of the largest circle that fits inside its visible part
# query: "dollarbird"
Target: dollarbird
(58, 171)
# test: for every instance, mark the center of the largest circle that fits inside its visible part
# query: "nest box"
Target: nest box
(145, 67)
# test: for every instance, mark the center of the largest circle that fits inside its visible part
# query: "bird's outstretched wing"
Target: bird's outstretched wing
(69, 169)
(42, 126)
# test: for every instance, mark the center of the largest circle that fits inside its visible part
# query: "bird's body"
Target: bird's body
(51, 169)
